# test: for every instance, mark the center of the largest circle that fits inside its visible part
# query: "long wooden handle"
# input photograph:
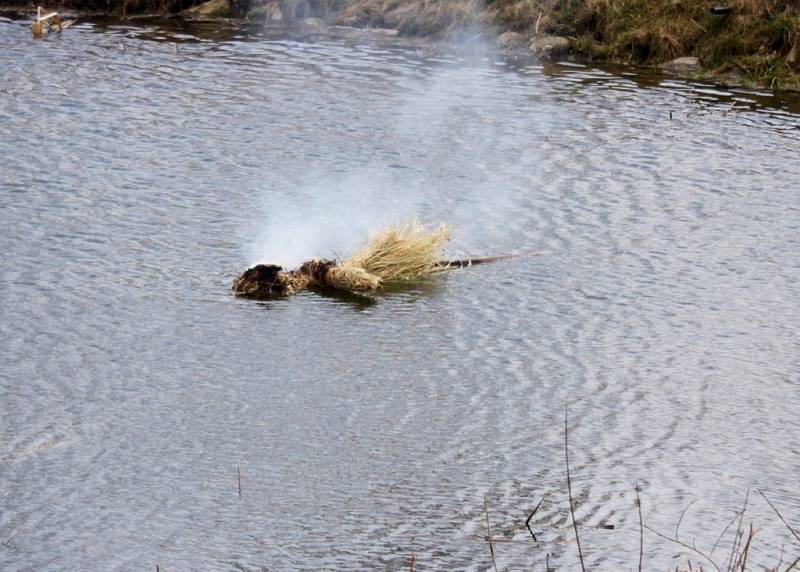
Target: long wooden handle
(465, 262)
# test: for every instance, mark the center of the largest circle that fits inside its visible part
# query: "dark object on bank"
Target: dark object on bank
(720, 10)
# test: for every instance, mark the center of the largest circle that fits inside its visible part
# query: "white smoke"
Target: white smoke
(434, 119)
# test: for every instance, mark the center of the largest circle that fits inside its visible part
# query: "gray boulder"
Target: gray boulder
(686, 64)
(508, 40)
(548, 47)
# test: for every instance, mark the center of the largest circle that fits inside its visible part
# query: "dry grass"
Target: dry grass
(431, 18)
(759, 40)
(403, 251)
(351, 278)
(400, 252)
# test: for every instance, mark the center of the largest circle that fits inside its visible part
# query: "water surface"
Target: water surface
(144, 166)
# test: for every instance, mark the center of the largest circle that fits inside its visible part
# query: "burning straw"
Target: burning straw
(398, 253)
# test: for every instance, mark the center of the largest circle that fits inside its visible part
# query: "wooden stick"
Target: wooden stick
(569, 490)
(641, 527)
(489, 531)
(43, 23)
(530, 516)
(466, 262)
(239, 479)
(46, 17)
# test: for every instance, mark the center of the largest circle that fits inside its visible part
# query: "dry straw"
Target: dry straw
(400, 252)
(404, 251)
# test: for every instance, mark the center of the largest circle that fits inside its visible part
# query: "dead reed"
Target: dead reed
(735, 559)
(400, 252)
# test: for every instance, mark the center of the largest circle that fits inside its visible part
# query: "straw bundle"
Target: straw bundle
(351, 278)
(328, 273)
(402, 251)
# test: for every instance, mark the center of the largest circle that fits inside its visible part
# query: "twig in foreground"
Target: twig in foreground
(641, 528)
(489, 531)
(780, 516)
(569, 490)
(530, 516)
(737, 540)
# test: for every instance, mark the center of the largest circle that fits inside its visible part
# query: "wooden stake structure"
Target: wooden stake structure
(47, 22)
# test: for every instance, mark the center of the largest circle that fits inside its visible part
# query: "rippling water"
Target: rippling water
(144, 166)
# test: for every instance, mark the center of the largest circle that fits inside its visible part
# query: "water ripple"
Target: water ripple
(145, 165)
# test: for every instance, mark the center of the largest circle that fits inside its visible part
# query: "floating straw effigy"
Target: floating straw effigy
(398, 253)
(402, 252)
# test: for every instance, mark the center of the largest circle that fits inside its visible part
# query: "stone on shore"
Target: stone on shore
(548, 47)
(685, 64)
(210, 9)
(509, 40)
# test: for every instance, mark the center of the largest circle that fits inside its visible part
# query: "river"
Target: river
(149, 417)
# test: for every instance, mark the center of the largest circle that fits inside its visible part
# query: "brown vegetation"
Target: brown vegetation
(756, 40)
(431, 18)
(733, 547)
(398, 253)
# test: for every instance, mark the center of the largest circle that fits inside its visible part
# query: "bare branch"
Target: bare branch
(719, 538)
(793, 564)
(569, 489)
(780, 516)
(530, 516)
(689, 547)
(680, 519)
(489, 531)
(737, 540)
(641, 528)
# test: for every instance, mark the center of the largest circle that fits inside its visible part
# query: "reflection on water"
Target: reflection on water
(138, 178)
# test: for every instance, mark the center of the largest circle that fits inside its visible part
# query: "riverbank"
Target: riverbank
(755, 42)
(746, 42)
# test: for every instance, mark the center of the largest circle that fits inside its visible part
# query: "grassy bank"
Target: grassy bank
(757, 40)
(752, 42)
